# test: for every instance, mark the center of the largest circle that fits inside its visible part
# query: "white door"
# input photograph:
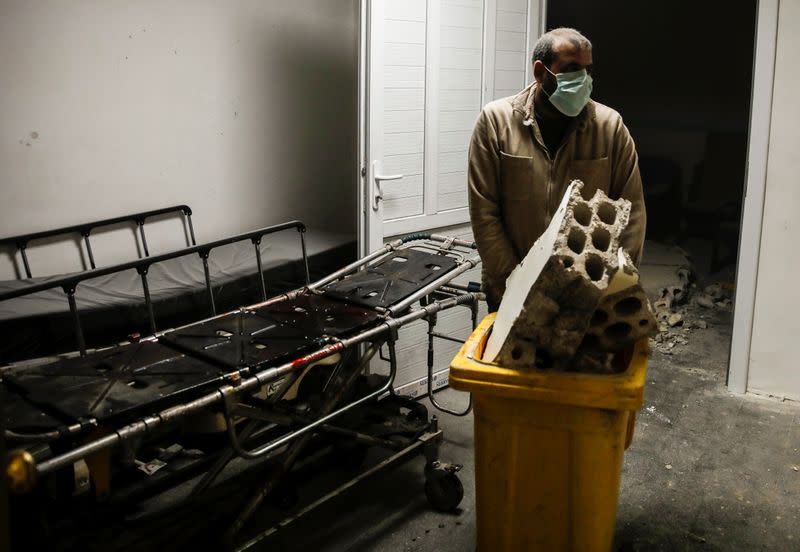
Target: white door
(428, 66)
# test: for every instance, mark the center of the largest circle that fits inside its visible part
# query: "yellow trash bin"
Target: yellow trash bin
(548, 449)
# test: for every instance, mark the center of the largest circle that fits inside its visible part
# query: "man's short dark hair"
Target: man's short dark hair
(543, 50)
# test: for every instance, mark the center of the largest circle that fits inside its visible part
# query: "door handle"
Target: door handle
(378, 197)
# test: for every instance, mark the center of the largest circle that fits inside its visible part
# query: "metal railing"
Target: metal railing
(22, 241)
(70, 283)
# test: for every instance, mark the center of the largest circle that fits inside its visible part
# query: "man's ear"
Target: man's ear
(538, 71)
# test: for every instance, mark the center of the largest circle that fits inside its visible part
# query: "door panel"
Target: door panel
(430, 66)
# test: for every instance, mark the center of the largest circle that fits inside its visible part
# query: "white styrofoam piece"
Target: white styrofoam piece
(523, 277)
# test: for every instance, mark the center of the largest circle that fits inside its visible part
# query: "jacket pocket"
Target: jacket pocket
(594, 173)
(516, 176)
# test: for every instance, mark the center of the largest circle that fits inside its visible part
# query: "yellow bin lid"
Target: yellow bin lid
(620, 391)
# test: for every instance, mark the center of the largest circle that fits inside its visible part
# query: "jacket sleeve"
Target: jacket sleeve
(626, 182)
(495, 248)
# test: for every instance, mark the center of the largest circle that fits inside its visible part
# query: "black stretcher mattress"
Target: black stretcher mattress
(140, 378)
(391, 280)
(145, 376)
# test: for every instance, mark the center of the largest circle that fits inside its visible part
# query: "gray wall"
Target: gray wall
(246, 110)
(774, 365)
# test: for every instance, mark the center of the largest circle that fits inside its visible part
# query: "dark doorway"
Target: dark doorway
(680, 74)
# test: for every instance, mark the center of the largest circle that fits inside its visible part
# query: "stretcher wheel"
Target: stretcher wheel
(443, 487)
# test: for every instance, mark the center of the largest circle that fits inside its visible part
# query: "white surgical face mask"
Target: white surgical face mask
(572, 92)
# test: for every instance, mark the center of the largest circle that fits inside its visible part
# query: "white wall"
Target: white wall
(774, 364)
(245, 110)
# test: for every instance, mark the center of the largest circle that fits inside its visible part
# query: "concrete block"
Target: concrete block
(624, 314)
(551, 296)
(576, 297)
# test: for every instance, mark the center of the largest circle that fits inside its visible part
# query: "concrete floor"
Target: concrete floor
(706, 471)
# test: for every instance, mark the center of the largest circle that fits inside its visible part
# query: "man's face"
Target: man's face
(567, 58)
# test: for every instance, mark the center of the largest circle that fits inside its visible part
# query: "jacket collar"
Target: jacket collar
(523, 103)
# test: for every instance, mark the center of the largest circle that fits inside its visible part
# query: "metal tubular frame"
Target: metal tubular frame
(207, 275)
(433, 298)
(433, 334)
(89, 249)
(247, 432)
(259, 379)
(70, 283)
(76, 319)
(257, 245)
(302, 232)
(140, 224)
(146, 290)
(85, 229)
(277, 443)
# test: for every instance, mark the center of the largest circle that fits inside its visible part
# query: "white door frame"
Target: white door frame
(363, 79)
(755, 187)
(537, 25)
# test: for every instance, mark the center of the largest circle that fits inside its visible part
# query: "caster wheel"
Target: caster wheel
(443, 489)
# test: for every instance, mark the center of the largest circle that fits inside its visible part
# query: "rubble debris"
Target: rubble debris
(696, 538)
(576, 296)
(672, 296)
(675, 319)
(714, 291)
(704, 301)
(710, 297)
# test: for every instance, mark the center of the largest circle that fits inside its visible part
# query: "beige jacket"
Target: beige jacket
(515, 187)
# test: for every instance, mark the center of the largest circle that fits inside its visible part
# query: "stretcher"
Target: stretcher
(266, 384)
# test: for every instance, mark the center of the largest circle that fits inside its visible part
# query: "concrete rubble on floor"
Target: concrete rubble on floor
(680, 305)
(576, 297)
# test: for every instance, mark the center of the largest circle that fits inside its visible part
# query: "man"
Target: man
(526, 149)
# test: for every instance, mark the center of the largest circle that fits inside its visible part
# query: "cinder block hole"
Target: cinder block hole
(599, 317)
(618, 330)
(601, 239)
(543, 360)
(594, 267)
(628, 306)
(582, 213)
(576, 240)
(590, 342)
(567, 261)
(607, 213)
(516, 353)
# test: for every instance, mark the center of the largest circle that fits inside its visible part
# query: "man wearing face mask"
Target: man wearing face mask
(527, 148)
